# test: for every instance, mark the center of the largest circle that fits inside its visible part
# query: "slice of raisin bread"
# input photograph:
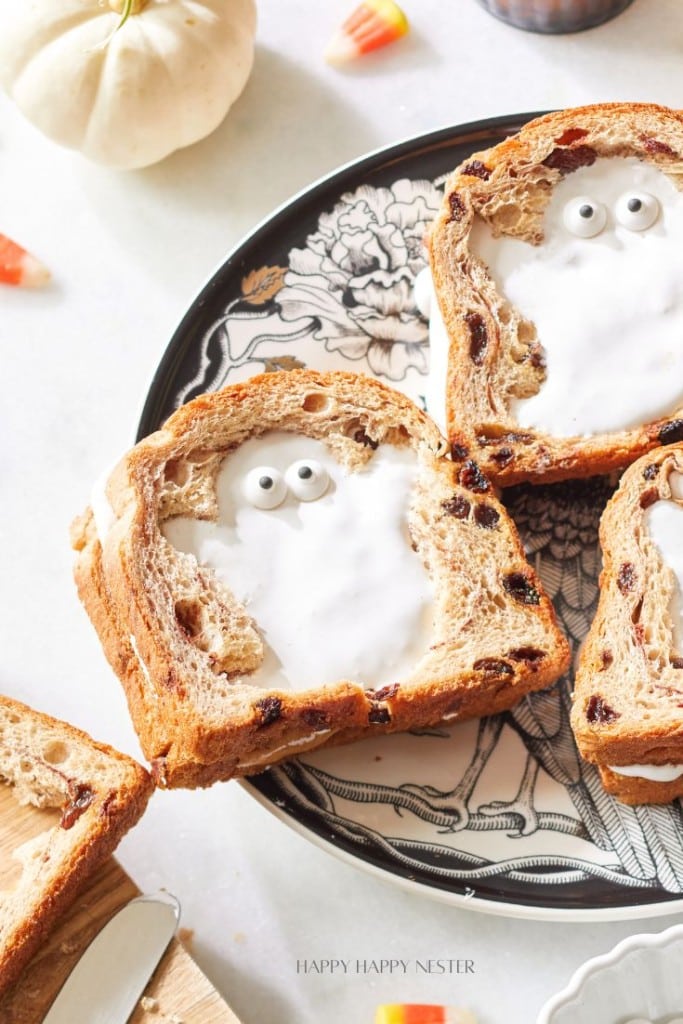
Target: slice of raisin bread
(203, 673)
(560, 318)
(628, 701)
(99, 795)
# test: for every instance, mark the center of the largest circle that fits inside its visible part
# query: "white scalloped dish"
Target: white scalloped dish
(639, 981)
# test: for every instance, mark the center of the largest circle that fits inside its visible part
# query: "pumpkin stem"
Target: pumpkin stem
(125, 8)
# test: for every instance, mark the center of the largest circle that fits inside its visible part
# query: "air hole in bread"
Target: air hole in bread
(316, 401)
(177, 472)
(25, 766)
(356, 431)
(55, 752)
(189, 617)
(398, 435)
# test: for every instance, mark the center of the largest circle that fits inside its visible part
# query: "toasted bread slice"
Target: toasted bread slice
(628, 699)
(99, 795)
(193, 657)
(512, 328)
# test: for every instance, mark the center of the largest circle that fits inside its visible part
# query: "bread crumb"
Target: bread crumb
(175, 1019)
(68, 947)
(186, 935)
(239, 937)
(149, 1005)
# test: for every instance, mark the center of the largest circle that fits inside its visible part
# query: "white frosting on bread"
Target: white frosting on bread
(103, 513)
(651, 772)
(608, 309)
(435, 384)
(333, 584)
(676, 485)
(664, 523)
(293, 745)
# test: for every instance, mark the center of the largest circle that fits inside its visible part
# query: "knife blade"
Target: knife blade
(110, 977)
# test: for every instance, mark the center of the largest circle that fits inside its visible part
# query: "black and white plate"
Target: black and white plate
(499, 815)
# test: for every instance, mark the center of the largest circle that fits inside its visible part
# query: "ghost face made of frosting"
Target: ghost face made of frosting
(321, 559)
(604, 290)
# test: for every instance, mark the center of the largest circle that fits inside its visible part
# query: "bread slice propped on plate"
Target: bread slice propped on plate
(558, 337)
(296, 560)
(628, 701)
(95, 794)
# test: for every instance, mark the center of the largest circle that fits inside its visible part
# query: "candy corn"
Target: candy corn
(373, 24)
(18, 266)
(412, 1013)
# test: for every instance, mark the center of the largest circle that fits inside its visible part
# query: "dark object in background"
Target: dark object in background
(554, 15)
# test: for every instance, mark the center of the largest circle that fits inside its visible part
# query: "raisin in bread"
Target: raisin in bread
(398, 595)
(560, 301)
(99, 795)
(628, 701)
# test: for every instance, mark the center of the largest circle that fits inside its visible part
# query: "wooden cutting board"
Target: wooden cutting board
(178, 992)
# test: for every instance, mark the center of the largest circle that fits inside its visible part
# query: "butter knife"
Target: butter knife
(108, 980)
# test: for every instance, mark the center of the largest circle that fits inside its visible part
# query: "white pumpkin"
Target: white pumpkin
(127, 97)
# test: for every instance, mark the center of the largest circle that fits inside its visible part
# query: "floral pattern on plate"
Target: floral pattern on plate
(346, 297)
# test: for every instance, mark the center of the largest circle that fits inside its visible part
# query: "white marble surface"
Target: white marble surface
(128, 252)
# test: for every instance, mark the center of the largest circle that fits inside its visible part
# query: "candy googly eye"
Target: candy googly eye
(307, 479)
(584, 217)
(265, 487)
(637, 211)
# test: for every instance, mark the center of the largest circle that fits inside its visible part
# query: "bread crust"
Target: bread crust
(101, 794)
(494, 354)
(628, 695)
(193, 741)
